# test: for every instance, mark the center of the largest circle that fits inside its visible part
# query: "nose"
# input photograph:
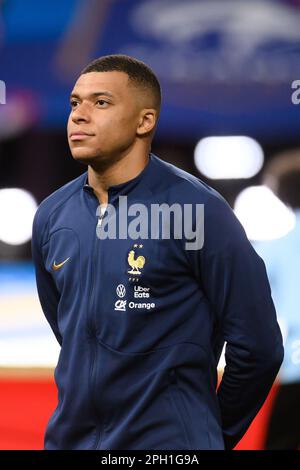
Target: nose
(80, 113)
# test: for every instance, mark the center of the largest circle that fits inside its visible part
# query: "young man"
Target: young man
(142, 320)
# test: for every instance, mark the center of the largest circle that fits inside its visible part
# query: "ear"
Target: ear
(147, 121)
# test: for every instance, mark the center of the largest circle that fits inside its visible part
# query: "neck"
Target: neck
(120, 171)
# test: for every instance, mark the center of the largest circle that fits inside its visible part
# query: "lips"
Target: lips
(79, 135)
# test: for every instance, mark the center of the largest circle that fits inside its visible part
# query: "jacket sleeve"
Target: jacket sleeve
(48, 294)
(235, 282)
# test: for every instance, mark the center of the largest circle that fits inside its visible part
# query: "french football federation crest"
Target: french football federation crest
(135, 262)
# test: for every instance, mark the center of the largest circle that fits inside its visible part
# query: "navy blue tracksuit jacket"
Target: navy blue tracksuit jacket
(142, 323)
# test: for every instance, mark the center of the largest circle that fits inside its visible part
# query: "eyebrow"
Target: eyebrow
(93, 95)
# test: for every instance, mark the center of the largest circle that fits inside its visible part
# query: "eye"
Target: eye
(101, 102)
(73, 103)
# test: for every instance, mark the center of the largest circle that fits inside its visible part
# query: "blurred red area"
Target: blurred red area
(26, 405)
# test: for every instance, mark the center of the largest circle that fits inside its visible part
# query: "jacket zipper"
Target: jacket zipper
(93, 327)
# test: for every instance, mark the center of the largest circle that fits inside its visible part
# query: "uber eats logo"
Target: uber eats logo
(139, 292)
(2, 92)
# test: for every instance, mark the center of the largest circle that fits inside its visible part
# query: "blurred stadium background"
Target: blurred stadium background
(226, 68)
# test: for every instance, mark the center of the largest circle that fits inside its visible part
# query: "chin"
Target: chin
(82, 156)
(86, 156)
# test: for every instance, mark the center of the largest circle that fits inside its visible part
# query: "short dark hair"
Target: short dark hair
(138, 72)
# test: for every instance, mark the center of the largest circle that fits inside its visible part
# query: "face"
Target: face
(107, 116)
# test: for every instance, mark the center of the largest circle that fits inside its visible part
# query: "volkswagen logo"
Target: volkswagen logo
(121, 291)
